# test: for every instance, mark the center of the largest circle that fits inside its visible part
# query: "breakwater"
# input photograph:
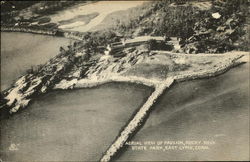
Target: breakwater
(136, 121)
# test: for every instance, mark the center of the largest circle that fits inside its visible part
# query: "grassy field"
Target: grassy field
(163, 64)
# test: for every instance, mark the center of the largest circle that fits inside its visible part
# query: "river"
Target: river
(73, 125)
(214, 110)
(20, 51)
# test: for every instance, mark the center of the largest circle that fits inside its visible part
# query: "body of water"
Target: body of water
(75, 125)
(215, 110)
(20, 51)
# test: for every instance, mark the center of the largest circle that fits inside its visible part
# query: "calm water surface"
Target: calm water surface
(215, 109)
(20, 51)
(76, 125)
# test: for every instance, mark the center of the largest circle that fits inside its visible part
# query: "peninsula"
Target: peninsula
(156, 45)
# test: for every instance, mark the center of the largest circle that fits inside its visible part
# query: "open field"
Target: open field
(166, 64)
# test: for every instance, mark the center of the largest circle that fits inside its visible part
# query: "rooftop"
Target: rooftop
(144, 39)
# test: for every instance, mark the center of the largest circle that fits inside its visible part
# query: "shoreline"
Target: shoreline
(88, 83)
(17, 100)
(51, 32)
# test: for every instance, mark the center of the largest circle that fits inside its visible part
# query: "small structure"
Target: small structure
(142, 39)
(216, 15)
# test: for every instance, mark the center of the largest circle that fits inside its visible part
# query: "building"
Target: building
(117, 47)
(142, 39)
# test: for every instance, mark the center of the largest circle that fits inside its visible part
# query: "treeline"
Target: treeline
(160, 18)
(50, 7)
(177, 21)
(228, 31)
(8, 6)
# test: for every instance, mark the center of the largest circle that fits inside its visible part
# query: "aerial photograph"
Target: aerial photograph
(125, 80)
